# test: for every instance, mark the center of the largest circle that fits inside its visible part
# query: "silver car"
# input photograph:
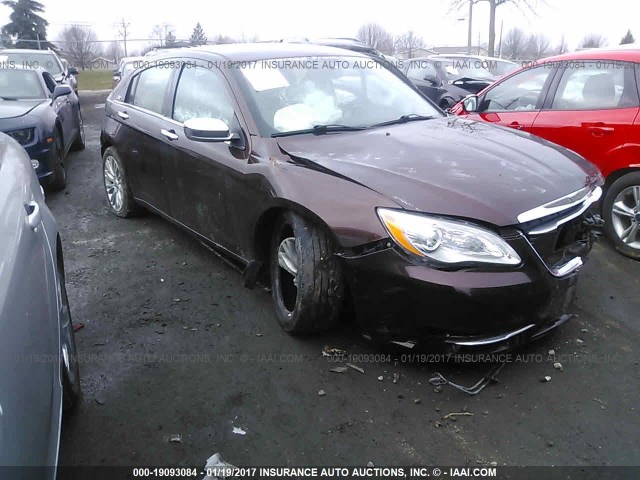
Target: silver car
(39, 375)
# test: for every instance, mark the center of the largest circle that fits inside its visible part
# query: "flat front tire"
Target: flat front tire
(306, 276)
(621, 213)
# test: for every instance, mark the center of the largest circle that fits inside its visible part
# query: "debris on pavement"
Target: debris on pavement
(396, 377)
(552, 353)
(439, 380)
(603, 405)
(99, 400)
(370, 465)
(546, 379)
(77, 326)
(321, 393)
(557, 366)
(408, 344)
(355, 367)
(417, 401)
(380, 378)
(333, 352)
(217, 467)
(239, 431)
(339, 369)
(175, 438)
(452, 415)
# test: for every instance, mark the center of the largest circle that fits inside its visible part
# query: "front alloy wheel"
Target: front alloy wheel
(306, 276)
(621, 210)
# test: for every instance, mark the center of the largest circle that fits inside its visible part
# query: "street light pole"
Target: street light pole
(470, 27)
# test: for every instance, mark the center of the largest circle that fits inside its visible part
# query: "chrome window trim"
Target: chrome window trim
(587, 195)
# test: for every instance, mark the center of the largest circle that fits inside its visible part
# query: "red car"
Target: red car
(588, 102)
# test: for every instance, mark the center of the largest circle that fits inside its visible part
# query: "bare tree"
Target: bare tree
(562, 47)
(113, 51)
(538, 46)
(376, 37)
(163, 35)
(408, 42)
(593, 40)
(123, 31)
(514, 44)
(81, 45)
(529, 5)
(224, 39)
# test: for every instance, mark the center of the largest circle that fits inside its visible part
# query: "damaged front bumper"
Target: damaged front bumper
(397, 300)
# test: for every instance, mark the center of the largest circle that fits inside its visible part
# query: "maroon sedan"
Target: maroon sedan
(324, 174)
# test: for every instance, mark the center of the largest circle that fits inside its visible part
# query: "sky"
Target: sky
(430, 19)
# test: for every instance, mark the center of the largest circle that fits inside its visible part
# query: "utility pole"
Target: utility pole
(124, 26)
(38, 37)
(470, 27)
(500, 47)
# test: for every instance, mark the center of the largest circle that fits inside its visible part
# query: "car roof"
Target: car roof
(246, 52)
(629, 54)
(26, 69)
(26, 50)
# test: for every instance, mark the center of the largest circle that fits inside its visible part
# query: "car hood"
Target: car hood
(449, 166)
(17, 108)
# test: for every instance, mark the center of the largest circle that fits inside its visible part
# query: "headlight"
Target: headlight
(24, 136)
(446, 241)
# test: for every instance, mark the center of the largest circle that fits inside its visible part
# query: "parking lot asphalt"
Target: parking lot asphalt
(175, 353)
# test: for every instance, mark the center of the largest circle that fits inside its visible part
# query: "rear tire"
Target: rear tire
(622, 225)
(310, 300)
(69, 368)
(79, 143)
(116, 184)
(59, 172)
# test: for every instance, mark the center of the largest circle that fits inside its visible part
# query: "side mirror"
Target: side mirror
(431, 78)
(73, 71)
(470, 103)
(208, 130)
(61, 91)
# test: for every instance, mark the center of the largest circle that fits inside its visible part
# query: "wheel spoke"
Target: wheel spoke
(629, 235)
(636, 194)
(619, 208)
(288, 256)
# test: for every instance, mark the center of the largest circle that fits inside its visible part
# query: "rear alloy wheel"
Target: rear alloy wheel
(70, 371)
(59, 172)
(116, 185)
(621, 213)
(306, 277)
(78, 143)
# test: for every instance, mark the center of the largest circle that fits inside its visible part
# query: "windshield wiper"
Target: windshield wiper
(8, 98)
(320, 130)
(412, 117)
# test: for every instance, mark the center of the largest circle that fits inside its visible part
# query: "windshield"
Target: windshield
(457, 68)
(288, 95)
(20, 84)
(500, 69)
(44, 60)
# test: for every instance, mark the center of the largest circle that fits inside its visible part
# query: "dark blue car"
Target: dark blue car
(44, 117)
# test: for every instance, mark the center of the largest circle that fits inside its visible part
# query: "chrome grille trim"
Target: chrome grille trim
(587, 195)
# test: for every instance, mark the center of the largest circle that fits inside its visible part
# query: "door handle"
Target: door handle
(123, 115)
(516, 125)
(170, 134)
(601, 131)
(33, 215)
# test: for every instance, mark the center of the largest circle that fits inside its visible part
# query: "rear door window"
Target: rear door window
(150, 88)
(598, 85)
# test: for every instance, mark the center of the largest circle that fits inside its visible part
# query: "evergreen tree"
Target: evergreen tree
(25, 26)
(198, 37)
(628, 38)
